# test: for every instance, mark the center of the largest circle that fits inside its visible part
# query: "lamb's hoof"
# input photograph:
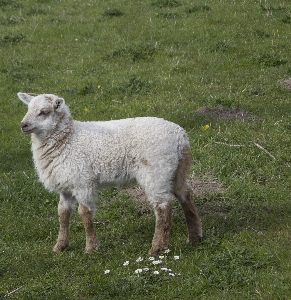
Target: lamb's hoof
(60, 247)
(91, 248)
(195, 236)
(154, 251)
(194, 240)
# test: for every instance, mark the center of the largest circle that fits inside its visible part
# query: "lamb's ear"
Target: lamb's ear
(59, 103)
(25, 98)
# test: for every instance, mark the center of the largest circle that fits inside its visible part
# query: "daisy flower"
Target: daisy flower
(156, 272)
(126, 263)
(176, 257)
(137, 271)
(157, 262)
(106, 271)
(139, 259)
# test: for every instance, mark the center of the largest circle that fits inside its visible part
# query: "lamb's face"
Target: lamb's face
(44, 113)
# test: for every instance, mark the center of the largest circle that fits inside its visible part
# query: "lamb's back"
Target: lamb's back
(145, 131)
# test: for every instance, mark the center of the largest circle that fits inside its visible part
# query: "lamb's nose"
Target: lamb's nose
(23, 125)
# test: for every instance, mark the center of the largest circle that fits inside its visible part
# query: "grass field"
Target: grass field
(167, 58)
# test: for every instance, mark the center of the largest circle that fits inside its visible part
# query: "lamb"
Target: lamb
(76, 159)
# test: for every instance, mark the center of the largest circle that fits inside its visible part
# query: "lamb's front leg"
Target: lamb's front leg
(86, 215)
(64, 219)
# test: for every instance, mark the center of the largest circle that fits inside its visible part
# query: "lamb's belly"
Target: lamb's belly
(58, 181)
(87, 170)
(116, 178)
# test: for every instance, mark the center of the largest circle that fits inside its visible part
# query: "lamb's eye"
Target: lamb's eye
(43, 113)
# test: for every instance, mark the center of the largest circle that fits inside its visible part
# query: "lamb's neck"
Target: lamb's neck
(52, 144)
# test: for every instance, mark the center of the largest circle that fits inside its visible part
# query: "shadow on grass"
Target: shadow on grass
(225, 217)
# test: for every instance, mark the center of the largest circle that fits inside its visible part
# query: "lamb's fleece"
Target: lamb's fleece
(80, 157)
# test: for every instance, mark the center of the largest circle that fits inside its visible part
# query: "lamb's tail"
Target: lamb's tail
(184, 161)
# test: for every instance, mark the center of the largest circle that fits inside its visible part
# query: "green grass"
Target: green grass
(117, 59)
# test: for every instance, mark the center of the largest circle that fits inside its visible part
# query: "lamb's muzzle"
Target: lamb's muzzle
(25, 127)
(76, 159)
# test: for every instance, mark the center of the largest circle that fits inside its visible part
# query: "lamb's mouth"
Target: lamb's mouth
(27, 130)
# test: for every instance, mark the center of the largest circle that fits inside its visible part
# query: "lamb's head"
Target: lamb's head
(45, 113)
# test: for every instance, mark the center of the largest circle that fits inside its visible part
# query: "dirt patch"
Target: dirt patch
(199, 186)
(285, 83)
(226, 113)
(203, 187)
(137, 194)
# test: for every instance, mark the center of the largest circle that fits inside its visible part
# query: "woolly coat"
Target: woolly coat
(78, 158)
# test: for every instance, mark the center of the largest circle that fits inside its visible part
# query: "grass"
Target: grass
(118, 59)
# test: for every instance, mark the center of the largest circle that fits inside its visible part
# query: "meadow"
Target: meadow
(166, 58)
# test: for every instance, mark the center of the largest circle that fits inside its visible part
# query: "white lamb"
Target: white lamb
(75, 159)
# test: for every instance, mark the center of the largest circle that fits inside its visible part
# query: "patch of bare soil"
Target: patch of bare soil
(137, 194)
(285, 83)
(203, 187)
(199, 186)
(225, 113)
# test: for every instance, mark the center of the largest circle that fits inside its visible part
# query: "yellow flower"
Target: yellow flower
(99, 87)
(205, 127)
(86, 110)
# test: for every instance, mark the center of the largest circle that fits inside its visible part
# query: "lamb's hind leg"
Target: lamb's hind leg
(163, 212)
(64, 211)
(184, 194)
(86, 215)
(191, 214)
